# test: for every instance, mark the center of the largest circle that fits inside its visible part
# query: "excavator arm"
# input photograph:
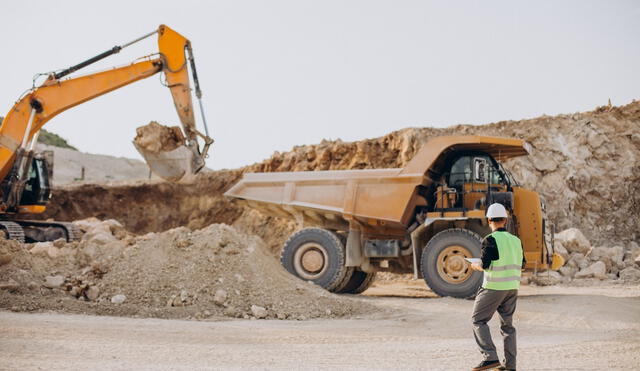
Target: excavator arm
(18, 133)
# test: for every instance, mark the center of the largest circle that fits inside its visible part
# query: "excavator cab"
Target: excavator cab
(37, 189)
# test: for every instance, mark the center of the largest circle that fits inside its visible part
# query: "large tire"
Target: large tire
(317, 255)
(443, 265)
(358, 282)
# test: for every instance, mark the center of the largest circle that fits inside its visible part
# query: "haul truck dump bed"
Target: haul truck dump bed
(424, 218)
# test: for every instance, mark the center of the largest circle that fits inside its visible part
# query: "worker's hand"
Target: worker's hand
(477, 267)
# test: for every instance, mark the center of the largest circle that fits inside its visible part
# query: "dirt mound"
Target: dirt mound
(180, 273)
(586, 165)
(154, 137)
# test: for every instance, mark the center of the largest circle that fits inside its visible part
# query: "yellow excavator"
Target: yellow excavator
(25, 176)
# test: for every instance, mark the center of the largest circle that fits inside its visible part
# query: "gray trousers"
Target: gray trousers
(486, 304)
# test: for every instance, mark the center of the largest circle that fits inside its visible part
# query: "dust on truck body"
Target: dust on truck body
(424, 218)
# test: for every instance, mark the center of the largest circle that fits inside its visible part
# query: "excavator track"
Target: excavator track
(72, 232)
(14, 230)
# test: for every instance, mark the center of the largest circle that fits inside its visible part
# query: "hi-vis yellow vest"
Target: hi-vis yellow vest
(504, 273)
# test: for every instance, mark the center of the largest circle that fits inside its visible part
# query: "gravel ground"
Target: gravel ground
(559, 328)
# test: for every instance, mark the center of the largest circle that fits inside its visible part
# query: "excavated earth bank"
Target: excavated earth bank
(586, 165)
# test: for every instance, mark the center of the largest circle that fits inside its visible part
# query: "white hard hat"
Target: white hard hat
(496, 211)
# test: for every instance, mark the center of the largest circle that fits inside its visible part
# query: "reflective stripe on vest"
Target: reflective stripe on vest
(504, 273)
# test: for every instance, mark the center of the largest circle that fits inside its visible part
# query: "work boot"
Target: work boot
(486, 365)
(503, 368)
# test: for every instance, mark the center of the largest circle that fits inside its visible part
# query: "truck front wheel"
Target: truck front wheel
(443, 263)
(317, 255)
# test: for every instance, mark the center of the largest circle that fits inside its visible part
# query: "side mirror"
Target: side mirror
(480, 169)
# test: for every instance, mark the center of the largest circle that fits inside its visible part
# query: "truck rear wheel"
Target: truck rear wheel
(358, 282)
(443, 265)
(317, 255)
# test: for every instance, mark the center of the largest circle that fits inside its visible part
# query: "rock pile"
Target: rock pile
(180, 273)
(582, 260)
(154, 137)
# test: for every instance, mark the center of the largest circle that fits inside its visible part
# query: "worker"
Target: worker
(502, 261)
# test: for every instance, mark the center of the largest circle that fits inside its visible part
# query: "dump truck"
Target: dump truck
(425, 218)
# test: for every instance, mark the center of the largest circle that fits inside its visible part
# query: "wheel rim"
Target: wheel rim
(451, 264)
(310, 261)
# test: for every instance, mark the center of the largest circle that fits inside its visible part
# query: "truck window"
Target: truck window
(460, 172)
(478, 169)
(490, 172)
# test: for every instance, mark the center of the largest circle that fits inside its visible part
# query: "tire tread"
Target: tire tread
(340, 276)
(434, 240)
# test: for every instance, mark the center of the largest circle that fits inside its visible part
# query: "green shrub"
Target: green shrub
(51, 139)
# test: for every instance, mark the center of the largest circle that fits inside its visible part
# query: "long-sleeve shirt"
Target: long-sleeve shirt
(490, 251)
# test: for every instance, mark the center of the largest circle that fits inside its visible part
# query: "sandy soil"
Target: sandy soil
(568, 328)
(180, 274)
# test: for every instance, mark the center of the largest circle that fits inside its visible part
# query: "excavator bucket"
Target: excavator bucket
(166, 153)
(174, 165)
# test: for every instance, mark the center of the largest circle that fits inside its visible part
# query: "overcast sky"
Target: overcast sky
(280, 73)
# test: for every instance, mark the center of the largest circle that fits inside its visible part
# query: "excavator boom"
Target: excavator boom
(21, 125)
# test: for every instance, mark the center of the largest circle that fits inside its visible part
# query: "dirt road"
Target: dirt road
(559, 328)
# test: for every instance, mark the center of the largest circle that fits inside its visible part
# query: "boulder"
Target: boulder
(118, 299)
(87, 224)
(544, 162)
(220, 297)
(547, 278)
(53, 251)
(155, 138)
(5, 259)
(258, 311)
(60, 243)
(573, 240)
(230, 312)
(559, 249)
(184, 297)
(89, 252)
(568, 271)
(9, 285)
(102, 233)
(630, 274)
(75, 291)
(41, 248)
(612, 257)
(53, 282)
(92, 293)
(99, 238)
(176, 301)
(598, 252)
(595, 270)
(576, 260)
(116, 228)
